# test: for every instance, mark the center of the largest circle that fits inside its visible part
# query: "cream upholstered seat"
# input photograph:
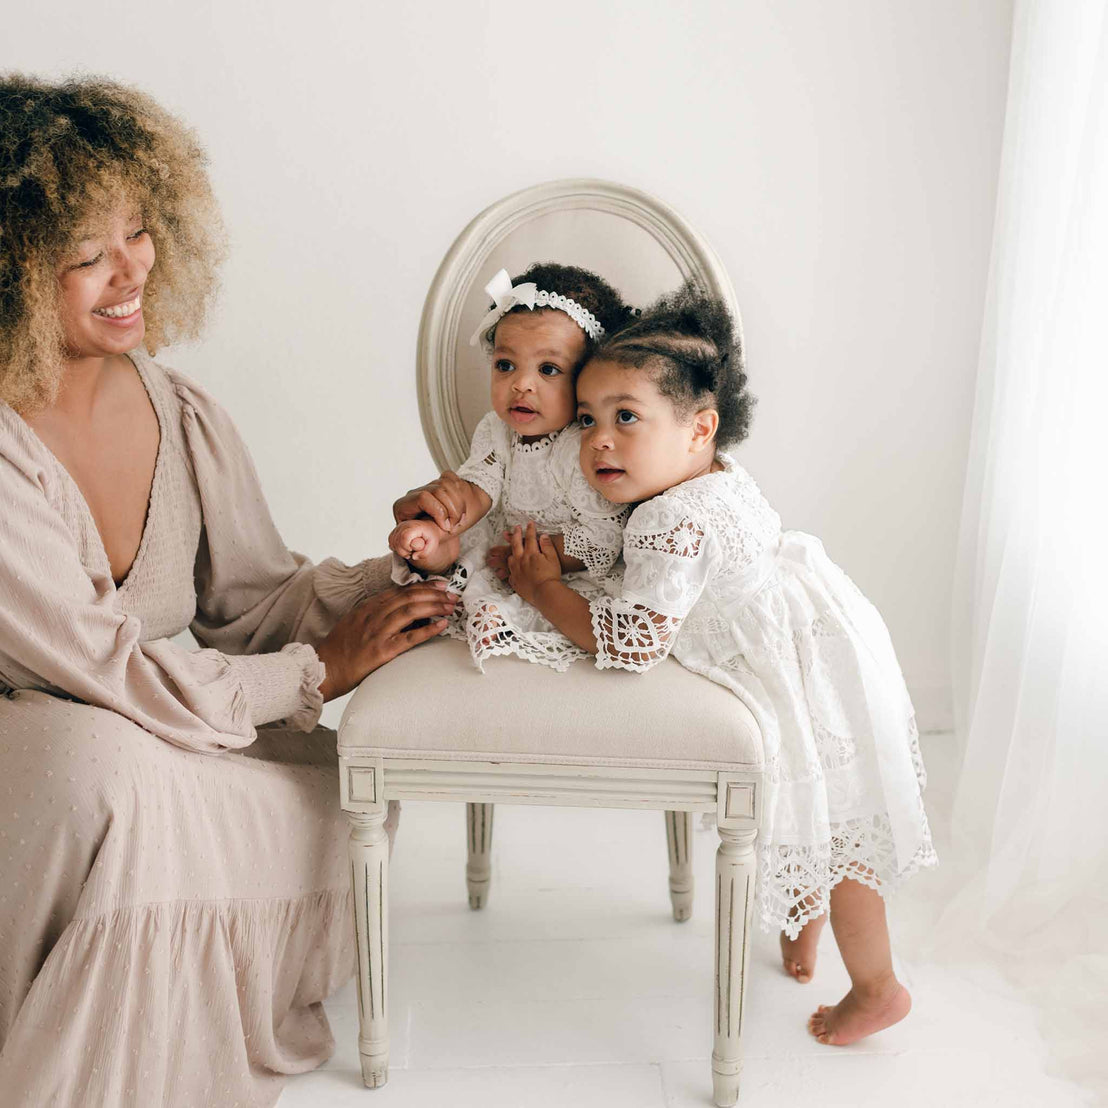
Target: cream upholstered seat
(584, 717)
(521, 733)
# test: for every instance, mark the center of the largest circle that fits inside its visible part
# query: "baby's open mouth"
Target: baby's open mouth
(608, 473)
(522, 411)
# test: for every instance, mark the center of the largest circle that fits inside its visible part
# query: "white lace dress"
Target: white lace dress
(711, 576)
(540, 481)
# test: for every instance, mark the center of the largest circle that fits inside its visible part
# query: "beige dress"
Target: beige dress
(174, 890)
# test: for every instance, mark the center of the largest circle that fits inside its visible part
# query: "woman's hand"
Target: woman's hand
(445, 500)
(532, 561)
(379, 629)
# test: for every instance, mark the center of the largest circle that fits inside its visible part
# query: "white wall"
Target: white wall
(841, 157)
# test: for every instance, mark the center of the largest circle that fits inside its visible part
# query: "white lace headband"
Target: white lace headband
(507, 296)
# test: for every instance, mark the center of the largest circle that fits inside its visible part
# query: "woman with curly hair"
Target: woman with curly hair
(175, 893)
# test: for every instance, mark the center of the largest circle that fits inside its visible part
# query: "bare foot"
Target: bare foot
(799, 954)
(856, 1016)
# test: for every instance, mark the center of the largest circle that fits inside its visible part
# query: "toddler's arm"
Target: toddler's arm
(535, 572)
(497, 557)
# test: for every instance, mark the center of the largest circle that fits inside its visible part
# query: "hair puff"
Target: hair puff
(687, 340)
(70, 153)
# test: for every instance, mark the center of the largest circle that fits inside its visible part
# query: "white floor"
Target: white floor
(574, 988)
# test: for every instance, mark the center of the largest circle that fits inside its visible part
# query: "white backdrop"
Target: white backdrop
(842, 158)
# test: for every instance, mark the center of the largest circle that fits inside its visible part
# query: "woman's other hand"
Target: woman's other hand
(444, 500)
(532, 561)
(379, 629)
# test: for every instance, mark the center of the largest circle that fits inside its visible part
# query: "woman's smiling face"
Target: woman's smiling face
(101, 287)
(634, 445)
(534, 362)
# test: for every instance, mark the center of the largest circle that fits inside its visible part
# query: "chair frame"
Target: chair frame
(369, 781)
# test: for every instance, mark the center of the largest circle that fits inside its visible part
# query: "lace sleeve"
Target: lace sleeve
(669, 558)
(488, 452)
(630, 636)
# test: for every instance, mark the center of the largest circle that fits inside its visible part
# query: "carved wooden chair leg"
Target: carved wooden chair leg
(735, 872)
(479, 844)
(679, 842)
(369, 863)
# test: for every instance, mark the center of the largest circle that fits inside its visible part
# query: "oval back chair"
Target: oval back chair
(523, 733)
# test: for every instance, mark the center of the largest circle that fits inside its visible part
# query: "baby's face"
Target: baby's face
(534, 360)
(633, 443)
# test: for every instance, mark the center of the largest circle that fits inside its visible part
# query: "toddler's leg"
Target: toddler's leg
(799, 955)
(876, 999)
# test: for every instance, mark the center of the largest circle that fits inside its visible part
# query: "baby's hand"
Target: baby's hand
(422, 543)
(532, 562)
(497, 560)
(443, 500)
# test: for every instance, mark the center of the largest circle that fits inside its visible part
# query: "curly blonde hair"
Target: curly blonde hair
(70, 153)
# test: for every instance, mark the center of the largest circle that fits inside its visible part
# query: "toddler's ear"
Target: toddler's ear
(704, 425)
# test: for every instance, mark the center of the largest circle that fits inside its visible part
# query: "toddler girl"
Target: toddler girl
(711, 577)
(523, 465)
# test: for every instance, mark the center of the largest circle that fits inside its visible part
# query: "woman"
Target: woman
(174, 892)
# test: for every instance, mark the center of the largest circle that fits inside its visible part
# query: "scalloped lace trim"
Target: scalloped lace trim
(630, 636)
(795, 882)
(521, 447)
(489, 635)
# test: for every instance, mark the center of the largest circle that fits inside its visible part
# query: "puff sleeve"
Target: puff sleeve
(670, 556)
(60, 631)
(254, 597)
(489, 450)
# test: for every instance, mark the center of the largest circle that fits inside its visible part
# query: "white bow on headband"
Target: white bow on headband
(507, 296)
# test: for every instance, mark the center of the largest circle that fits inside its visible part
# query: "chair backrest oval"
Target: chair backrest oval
(638, 243)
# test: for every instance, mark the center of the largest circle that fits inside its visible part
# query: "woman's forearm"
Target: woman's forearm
(568, 611)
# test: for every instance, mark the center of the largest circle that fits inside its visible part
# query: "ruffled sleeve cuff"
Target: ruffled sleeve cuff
(341, 587)
(283, 686)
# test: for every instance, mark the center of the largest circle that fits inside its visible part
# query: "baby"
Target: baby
(523, 465)
(711, 577)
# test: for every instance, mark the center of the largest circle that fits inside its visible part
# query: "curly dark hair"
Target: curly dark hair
(687, 340)
(70, 154)
(582, 286)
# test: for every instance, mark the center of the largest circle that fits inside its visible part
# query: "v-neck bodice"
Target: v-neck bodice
(158, 589)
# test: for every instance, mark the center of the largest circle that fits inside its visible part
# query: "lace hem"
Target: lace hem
(489, 636)
(795, 882)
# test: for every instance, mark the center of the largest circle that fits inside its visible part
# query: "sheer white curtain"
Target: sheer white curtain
(1031, 605)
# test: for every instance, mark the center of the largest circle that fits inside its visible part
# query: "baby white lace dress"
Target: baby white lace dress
(711, 577)
(540, 481)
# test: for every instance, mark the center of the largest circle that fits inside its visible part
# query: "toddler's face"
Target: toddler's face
(633, 444)
(534, 360)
